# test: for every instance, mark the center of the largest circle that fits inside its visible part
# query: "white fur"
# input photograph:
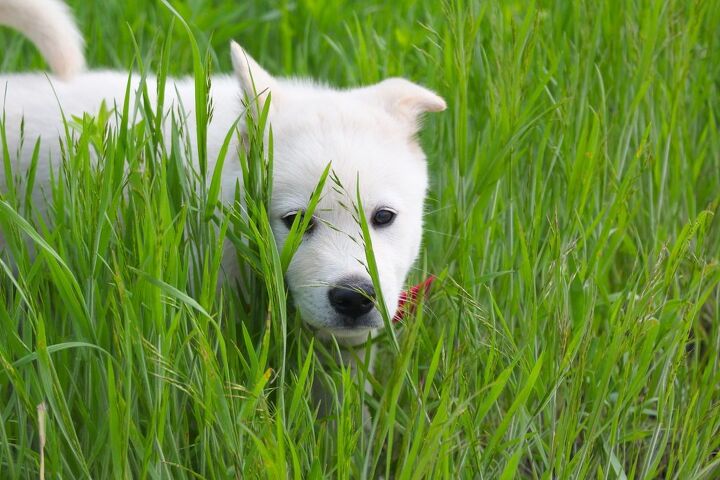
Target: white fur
(367, 133)
(50, 26)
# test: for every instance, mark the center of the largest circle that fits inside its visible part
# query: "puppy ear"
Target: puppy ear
(254, 81)
(405, 100)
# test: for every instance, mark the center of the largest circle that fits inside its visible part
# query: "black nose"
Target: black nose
(353, 299)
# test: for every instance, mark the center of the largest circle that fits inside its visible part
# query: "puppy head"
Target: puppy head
(368, 136)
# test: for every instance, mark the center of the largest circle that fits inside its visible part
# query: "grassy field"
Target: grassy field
(574, 331)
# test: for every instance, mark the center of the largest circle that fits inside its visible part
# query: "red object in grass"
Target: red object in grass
(408, 298)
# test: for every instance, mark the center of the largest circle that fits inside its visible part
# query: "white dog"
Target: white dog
(367, 133)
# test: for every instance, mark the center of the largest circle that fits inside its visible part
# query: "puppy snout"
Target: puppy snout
(352, 298)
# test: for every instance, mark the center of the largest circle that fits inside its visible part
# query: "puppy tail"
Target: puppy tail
(51, 27)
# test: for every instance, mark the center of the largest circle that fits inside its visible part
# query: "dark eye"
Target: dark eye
(383, 217)
(289, 219)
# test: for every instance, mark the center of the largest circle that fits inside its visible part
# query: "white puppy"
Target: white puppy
(367, 133)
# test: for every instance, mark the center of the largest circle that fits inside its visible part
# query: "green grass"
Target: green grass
(575, 329)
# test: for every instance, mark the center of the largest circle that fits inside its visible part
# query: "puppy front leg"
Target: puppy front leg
(328, 397)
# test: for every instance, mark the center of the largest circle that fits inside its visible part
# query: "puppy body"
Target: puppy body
(368, 134)
(40, 101)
